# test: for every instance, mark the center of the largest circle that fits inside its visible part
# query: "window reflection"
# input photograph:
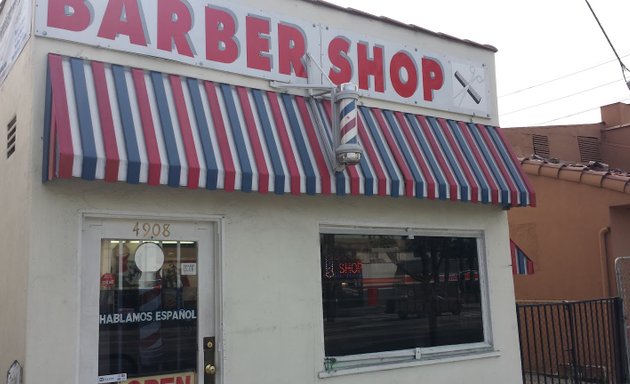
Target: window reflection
(386, 293)
(148, 308)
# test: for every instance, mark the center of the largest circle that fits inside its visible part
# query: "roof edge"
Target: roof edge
(594, 174)
(412, 27)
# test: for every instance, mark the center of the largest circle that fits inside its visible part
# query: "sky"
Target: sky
(554, 65)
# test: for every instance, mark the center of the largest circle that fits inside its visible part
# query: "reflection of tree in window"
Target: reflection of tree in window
(435, 270)
(396, 292)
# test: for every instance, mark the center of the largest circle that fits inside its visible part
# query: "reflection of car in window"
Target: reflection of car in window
(423, 292)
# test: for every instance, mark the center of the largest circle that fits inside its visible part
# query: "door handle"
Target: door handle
(210, 370)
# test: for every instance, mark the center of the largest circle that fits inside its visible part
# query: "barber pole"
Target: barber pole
(347, 147)
(347, 98)
(150, 291)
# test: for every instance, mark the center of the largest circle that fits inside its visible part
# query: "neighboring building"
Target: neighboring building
(186, 199)
(580, 225)
(607, 142)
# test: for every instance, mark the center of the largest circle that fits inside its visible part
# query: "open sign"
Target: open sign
(176, 378)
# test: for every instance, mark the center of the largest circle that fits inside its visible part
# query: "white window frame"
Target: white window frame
(341, 365)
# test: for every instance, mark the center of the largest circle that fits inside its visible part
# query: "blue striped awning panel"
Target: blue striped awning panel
(123, 124)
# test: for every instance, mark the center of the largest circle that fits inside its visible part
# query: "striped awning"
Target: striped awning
(521, 264)
(115, 123)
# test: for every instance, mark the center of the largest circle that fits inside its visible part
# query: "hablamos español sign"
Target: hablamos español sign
(228, 36)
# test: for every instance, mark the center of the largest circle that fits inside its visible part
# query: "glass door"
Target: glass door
(154, 317)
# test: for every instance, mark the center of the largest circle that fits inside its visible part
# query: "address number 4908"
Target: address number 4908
(151, 230)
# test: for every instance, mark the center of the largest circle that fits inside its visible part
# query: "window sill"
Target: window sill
(409, 364)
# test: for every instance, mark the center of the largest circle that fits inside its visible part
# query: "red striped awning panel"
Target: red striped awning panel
(117, 123)
(521, 263)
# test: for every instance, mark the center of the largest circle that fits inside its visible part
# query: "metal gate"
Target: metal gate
(572, 342)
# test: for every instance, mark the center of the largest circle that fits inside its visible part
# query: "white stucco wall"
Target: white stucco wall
(272, 312)
(15, 182)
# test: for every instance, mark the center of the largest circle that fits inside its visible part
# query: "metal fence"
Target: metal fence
(572, 342)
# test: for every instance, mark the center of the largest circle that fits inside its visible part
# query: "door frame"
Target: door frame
(87, 350)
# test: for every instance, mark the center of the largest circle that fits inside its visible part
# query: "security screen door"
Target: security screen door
(147, 301)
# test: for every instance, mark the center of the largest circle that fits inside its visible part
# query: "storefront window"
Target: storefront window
(407, 293)
(148, 308)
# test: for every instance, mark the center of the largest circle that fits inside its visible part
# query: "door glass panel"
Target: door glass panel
(148, 308)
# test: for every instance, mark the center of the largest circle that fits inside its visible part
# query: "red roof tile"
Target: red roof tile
(595, 174)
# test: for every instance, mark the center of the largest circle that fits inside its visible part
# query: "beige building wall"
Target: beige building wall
(615, 136)
(562, 141)
(608, 141)
(16, 101)
(272, 309)
(619, 244)
(581, 214)
(573, 236)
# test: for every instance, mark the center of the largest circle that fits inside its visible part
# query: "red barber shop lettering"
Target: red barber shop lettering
(176, 22)
(124, 18)
(221, 44)
(403, 61)
(114, 24)
(173, 27)
(341, 71)
(403, 69)
(252, 44)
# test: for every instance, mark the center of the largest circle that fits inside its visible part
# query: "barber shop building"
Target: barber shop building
(233, 192)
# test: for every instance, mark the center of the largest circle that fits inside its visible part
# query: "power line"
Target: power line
(618, 58)
(559, 78)
(624, 69)
(557, 99)
(579, 113)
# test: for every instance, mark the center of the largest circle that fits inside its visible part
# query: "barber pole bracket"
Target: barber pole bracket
(345, 149)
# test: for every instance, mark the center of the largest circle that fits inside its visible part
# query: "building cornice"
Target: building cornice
(595, 174)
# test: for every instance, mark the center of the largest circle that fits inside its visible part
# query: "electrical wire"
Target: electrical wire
(579, 113)
(557, 99)
(559, 78)
(624, 69)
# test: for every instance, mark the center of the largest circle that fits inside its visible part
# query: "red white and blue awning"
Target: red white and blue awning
(521, 264)
(115, 123)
